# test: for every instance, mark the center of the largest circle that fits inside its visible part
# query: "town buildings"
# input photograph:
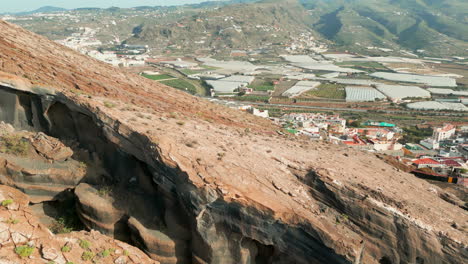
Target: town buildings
(445, 132)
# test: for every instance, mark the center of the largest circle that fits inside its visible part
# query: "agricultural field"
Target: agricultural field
(262, 85)
(365, 66)
(456, 69)
(158, 77)
(189, 71)
(181, 85)
(252, 98)
(283, 86)
(328, 90)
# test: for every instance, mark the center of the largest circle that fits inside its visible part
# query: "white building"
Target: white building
(429, 143)
(442, 133)
(257, 112)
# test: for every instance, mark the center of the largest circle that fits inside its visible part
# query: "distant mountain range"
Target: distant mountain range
(234, 26)
(437, 26)
(432, 27)
(44, 9)
(52, 9)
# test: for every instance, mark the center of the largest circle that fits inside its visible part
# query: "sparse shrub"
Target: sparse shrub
(24, 251)
(51, 262)
(87, 256)
(345, 217)
(104, 191)
(221, 155)
(7, 202)
(180, 123)
(14, 144)
(12, 221)
(82, 165)
(126, 253)
(69, 262)
(66, 248)
(341, 218)
(85, 244)
(60, 227)
(105, 253)
(109, 104)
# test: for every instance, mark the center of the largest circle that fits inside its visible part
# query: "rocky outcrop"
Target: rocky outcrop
(192, 182)
(24, 240)
(39, 165)
(50, 148)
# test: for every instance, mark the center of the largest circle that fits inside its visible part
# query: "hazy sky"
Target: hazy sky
(28, 5)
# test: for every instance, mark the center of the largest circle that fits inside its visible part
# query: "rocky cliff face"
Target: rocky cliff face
(191, 182)
(24, 240)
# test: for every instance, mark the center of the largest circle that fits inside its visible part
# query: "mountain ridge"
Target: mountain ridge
(442, 25)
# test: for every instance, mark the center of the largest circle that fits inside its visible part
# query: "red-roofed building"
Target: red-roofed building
(450, 163)
(426, 163)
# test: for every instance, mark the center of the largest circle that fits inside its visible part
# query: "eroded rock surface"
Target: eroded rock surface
(37, 164)
(193, 182)
(24, 240)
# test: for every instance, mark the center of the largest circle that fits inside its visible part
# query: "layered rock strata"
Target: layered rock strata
(24, 240)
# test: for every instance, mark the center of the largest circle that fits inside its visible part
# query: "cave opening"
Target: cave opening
(385, 260)
(132, 204)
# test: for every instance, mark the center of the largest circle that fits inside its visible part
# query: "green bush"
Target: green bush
(66, 249)
(24, 251)
(85, 244)
(105, 253)
(87, 256)
(109, 104)
(7, 202)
